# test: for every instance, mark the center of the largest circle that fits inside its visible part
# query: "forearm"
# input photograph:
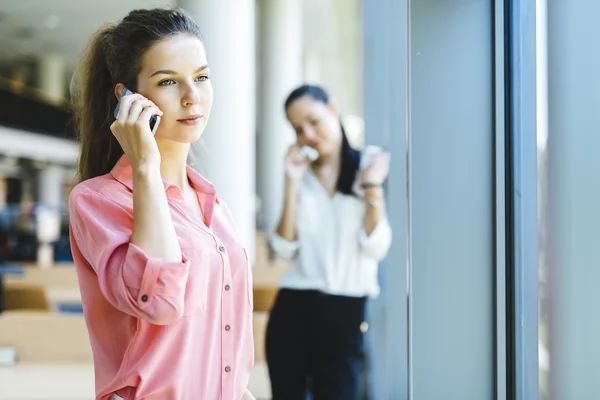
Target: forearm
(153, 229)
(287, 223)
(373, 214)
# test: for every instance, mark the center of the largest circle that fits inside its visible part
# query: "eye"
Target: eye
(202, 78)
(166, 82)
(314, 122)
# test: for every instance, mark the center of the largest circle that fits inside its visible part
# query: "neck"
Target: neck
(332, 159)
(173, 164)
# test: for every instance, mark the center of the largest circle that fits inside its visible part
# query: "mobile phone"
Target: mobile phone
(309, 153)
(154, 120)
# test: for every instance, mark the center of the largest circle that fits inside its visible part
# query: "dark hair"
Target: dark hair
(113, 56)
(350, 160)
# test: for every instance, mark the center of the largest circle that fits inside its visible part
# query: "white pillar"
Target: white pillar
(50, 187)
(228, 157)
(280, 50)
(52, 78)
(332, 32)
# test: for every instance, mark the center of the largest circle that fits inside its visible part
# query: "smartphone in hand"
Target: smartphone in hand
(309, 153)
(154, 120)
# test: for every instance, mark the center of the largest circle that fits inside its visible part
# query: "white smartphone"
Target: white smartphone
(154, 120)
(309, 153)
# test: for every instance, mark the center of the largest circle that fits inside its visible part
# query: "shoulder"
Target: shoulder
(102, 189)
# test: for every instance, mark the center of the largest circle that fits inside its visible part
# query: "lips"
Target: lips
(191, 120)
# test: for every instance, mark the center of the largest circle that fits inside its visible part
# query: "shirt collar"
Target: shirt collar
(123, 172)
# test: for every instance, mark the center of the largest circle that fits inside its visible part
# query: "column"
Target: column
(49, 193)
(51, 77)
(228, 155)
(50, 181)
(333, 50)
(280, 50)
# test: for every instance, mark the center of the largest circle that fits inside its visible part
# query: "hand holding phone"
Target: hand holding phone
(154, 119)
(133, 112)
(297, 162)
(309, 153)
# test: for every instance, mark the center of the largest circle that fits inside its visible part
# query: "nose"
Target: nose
(190, 95)
(308, 132)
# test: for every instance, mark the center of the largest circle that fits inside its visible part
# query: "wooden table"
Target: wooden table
(6, 269)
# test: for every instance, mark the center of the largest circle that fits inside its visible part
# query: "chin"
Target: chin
(182, 136)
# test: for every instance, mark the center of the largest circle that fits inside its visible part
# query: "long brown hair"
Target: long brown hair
(113, 56)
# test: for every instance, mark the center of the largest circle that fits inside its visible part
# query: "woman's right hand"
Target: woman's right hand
(295, 163)
(132, 129)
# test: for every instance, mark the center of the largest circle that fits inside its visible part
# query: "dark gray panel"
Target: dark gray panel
(385, 111)
(574, 196)
(451, 153)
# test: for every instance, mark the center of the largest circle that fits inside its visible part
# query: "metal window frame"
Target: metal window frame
(521, 202)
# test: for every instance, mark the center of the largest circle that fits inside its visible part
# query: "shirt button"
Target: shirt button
(228, 369)
(364, 326)
(221, 248)
(227, 287)
(145, 298)
(227, 328)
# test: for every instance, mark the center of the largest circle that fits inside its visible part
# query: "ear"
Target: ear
(118, 90)
(332, 107)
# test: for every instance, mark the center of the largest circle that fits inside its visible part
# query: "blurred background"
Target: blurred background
(490, 111)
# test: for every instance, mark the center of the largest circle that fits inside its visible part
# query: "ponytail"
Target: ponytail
(93, 96)
(350, 164)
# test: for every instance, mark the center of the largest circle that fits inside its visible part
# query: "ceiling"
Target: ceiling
(30, 28)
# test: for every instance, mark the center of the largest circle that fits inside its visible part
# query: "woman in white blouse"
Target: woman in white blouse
(334, 228)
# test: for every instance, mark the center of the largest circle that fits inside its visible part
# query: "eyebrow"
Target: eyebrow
(171, 72)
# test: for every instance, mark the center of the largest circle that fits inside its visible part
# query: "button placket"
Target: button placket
(228, 315)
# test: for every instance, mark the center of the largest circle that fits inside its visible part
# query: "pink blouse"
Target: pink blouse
(158, 330)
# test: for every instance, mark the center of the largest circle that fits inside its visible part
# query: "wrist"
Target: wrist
(370, 184)
(145, 170)
(291, 183)
(374, 204)
(373, 192)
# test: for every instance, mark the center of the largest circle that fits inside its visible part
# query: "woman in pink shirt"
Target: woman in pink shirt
(166, 284)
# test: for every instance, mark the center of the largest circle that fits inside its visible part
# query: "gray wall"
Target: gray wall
(451, 134)
(429, 89)
(574, 196)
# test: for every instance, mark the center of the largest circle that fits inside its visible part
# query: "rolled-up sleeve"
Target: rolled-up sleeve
(134, 283)
(377, 244)
(284, 248)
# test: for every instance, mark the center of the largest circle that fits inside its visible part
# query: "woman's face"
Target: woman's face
(174, 74)
(317, 124)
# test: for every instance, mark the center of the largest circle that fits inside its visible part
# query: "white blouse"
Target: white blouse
(333, 253)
